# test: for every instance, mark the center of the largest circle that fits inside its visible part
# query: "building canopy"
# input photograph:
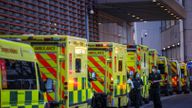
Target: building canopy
(142, 10)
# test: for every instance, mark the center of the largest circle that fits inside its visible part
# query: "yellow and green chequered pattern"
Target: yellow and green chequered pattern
(77, 91)
(22, 99)
(120, 85)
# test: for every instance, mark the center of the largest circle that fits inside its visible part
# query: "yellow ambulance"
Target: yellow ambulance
(20, 82)
(138, 61)
(106, 68)
(63, 66)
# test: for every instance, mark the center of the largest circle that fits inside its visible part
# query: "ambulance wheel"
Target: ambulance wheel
(170, 93)
(166, 93)
(146, 100)
(179, 92)
(99, 101)
(187, 91)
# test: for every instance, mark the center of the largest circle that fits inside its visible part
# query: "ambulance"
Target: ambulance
(106, 68)
(20, 82)
(63, 66)
(138, 61)
(184, 77)
(166, 76)
(189, 69)
(176, 75)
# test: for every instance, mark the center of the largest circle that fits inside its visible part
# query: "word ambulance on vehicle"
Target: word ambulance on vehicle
(20, 82)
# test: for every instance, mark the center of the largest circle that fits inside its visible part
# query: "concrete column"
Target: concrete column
(181, 31)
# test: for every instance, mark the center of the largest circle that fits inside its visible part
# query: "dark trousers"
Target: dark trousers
(135, 96)
(155, 96)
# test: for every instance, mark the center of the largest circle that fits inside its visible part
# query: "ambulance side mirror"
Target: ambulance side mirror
(92, 76)
(49, 85)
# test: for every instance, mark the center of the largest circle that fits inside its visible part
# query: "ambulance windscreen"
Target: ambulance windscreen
(19, 75)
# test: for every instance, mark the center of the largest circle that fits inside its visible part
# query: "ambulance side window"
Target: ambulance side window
(20, 75)
(77, 65)
(120, 67)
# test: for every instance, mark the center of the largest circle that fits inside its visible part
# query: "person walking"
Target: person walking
(155, 78)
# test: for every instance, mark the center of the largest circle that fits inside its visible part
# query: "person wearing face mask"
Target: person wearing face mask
(155, 78)
(136, 91)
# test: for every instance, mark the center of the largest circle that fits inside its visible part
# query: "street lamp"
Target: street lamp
(145, 35)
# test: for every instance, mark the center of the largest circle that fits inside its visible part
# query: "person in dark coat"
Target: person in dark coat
(136, 91)
(155, 78)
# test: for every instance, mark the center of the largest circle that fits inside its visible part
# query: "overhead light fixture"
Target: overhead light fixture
(137, 18)
(168, 47)
(154, 0)
(173, 45)
(91, 11)
(162, 6)
(133, 16)
(158, 3)
(141, 19)
(164, 48)
(168, 11)
(165, 9)
(178, 43)
(99, 23)
(172, 14)
(129, 14)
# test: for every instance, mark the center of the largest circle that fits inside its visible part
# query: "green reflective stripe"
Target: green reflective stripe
(83, 83)
(35, 106)
(80, 96)
(87, 97)
(115, 91)
(28, 97)
(13, 98)
(70, 98)
(41, 98)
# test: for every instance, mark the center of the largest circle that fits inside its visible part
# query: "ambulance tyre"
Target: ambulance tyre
(179, 92)
(171, 92)
(186, 91)
(51, 105)
(166, 93)
(146, 100)
(99, 101)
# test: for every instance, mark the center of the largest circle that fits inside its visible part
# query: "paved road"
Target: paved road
(175, 101)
